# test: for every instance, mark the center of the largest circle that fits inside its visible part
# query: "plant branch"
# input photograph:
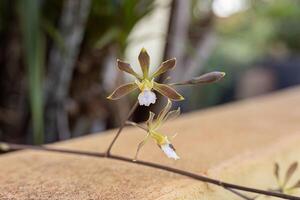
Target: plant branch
(123, 123)
(238, 194)
(61, 65)
(6, 147)
(225, 185)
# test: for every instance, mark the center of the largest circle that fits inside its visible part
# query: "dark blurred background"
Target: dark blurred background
(58, 57)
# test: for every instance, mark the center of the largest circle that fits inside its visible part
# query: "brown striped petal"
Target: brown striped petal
(293, 167)
(144, 60)
(276, 171)
(297, 184)
(167, 91)
(123, 66)
(165, 66)
(122, 91)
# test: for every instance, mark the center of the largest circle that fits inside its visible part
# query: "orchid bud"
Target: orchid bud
(210, 77)
(4, 146)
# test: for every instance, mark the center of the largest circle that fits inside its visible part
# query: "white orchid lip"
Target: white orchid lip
(147, 97)
(169, 150)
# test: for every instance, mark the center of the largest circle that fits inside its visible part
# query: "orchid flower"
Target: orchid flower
(283, 185)
(146, 83)
(161, 140)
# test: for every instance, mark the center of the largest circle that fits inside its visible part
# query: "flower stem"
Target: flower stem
(136, 125)
(228, 186)
(238, 194)
(123, 123)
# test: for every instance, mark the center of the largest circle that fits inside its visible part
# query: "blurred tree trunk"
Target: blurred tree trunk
(205, 43)
(12, 93)
(113, 78)
(61, 66)
(179, 40)
(178, 34)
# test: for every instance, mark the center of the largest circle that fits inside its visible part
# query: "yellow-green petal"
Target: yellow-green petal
(150, 119)
(291, 170)
(160, 139)
(164, 111)
(158, 121)
(168, 91)
(141, 144)
(165, 66)
(144, 60)
(122, 91)
(172, 114)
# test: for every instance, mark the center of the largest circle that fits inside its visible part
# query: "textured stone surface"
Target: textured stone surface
(237, 142)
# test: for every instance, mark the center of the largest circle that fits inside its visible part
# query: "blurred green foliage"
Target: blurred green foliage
(264, 27)
(34, 52)
(109, 25)
(111, 21)
(267, 28)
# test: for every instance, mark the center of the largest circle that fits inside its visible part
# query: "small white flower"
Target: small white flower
(146, 97)
(169, 150)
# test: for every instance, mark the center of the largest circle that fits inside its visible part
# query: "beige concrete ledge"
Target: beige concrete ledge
(237, 142)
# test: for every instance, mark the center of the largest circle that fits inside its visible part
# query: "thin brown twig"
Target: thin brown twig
(202, 178)
(123, 123)
(229, 189)
(238, 194)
